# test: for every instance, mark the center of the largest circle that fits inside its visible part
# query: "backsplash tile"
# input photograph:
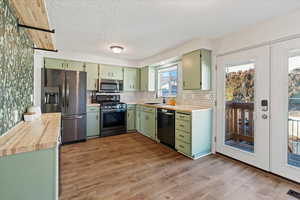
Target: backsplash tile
(16, 69)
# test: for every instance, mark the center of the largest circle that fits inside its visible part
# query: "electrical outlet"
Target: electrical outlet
(16, 116)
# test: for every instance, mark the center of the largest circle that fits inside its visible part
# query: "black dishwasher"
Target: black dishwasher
(166, 127)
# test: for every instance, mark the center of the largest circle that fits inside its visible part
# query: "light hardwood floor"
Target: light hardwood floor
(133, 167)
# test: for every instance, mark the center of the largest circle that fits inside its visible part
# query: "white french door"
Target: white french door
(285, 109)
(242, 106)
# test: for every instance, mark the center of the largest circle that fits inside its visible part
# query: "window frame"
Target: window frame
(157, 79)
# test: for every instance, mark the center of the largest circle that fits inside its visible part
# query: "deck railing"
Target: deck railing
(240, 125)
(239, 122)
(294, 136)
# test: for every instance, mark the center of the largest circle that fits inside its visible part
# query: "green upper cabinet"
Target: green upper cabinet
(196, 70)
(111, 72)
(147, 79)
(74, 65)
(92, 71)
(52, 63)
(131, 79)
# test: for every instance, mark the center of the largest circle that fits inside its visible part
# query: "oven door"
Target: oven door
(113, 122)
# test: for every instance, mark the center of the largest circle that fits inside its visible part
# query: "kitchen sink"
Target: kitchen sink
(151, 103)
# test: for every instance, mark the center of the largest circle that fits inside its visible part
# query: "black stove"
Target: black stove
(113, 105)
(113, 114)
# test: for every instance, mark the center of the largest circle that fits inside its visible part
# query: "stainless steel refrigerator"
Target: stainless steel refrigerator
(65, 92)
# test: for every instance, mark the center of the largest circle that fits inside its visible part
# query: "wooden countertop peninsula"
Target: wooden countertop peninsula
(42, 133)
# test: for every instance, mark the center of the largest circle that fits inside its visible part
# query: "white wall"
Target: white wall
(266, 31)
(38, 64)
(178, 51)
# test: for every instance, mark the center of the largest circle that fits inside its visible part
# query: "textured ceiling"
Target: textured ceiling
(148, 27)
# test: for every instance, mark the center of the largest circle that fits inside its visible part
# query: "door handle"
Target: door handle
(63, 95)
(170, 114)
(67, 94)
(73, 117)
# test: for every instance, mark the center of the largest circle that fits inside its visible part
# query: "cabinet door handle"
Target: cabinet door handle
(181, 136)
(181, 146)
(96, 117)
(181, 125)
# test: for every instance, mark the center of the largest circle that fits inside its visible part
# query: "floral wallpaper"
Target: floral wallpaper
(16, 69)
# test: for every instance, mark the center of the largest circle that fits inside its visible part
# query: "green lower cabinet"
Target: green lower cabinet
(30, 175)
(138, 118)
(193, 136)
(148, 121)
(93, 122)
(131, 112)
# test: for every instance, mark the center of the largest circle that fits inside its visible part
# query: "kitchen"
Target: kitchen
(106, 115)
(106, 120)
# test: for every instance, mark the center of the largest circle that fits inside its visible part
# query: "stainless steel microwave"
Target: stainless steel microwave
(110, 86)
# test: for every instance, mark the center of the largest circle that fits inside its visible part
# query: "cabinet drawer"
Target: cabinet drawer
(182, 116)
(181, 135)
(93, 109)
(147, 109)
(130, 106)
(183, 125)
(183, 147)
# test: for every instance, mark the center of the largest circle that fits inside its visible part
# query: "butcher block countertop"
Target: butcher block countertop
(42, 133)
(180, 108)
(93, 105)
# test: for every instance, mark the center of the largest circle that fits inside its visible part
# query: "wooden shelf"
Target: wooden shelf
(33, 13)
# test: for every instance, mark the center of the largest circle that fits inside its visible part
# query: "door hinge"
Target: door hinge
(215, 103)
(216, 67)
(215, 138)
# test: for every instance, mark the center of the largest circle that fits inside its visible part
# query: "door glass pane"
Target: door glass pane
(239, 106)
(294, 112)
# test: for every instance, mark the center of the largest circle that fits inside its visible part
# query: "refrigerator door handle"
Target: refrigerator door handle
(73, 117)
(67, 94)
(63, 95)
